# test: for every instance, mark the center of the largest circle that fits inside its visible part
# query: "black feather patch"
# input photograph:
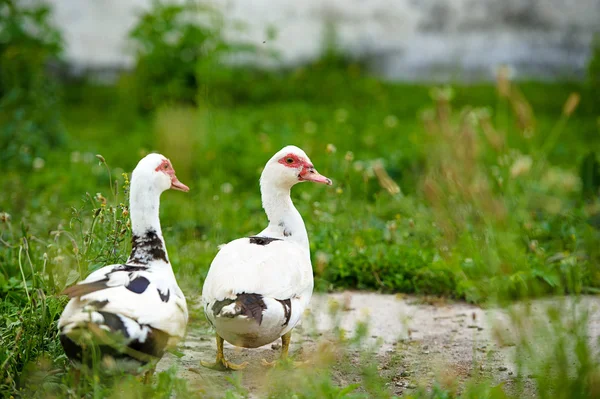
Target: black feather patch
(138, 284)
(252, 305)
(164, 298)
(287, 310)
(129, 268)
(146, 248)
(249, 305)
(286, 232)
(114, 322)
(263, 240)
(154, 344)
(72, 350)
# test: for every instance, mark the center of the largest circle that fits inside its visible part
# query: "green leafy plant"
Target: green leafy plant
(30, 125)
(590, 176)
(97, 234)
(172, 40)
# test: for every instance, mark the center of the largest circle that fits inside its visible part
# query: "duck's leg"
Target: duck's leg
(221, 363)
(148, 375)
(285, 346)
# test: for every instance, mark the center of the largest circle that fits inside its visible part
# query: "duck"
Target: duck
(258, 287)
(132, 312)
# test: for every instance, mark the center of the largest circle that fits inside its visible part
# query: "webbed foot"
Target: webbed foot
(224, 365)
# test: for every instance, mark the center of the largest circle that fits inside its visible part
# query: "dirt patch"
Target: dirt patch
(414, 342)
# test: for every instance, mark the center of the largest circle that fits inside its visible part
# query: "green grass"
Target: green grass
(474, 220)
(364, 236)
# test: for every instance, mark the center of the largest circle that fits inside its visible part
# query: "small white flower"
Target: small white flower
(4, 217)
(38, 163)
(521, 166)
(226, 188)
(390, 121)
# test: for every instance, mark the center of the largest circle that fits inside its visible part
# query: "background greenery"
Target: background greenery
(484, 192)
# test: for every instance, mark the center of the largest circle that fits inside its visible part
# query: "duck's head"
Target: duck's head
(156, 171)
(289, 166)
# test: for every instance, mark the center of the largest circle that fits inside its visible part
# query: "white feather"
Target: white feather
(279, 270)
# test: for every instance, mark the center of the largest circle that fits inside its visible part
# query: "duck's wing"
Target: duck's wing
(264, 266)
(149, 296)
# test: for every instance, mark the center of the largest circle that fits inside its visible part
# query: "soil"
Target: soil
(414, 341)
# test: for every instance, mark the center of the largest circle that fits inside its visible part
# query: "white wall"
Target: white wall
(405, 39)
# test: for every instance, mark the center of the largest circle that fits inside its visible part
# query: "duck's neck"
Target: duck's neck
(147, 243)
(284, 219)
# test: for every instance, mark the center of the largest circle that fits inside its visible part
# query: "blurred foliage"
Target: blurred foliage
(553, 346)
(594, 67)
(590, 176)
(30, 124)
(325, 80)
(172, 41)
(183, 58)
(492, 201)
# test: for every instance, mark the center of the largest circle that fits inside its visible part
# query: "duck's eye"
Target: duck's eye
(166, 167)
(289, 160)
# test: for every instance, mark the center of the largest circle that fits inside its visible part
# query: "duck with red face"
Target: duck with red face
(133, 311)
(258, 287)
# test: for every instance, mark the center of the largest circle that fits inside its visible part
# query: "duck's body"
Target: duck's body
(143, 303)
(131, 311)
(258, 287)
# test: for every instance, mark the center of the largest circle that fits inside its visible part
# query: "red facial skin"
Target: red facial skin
(167, 169)
(307, 172)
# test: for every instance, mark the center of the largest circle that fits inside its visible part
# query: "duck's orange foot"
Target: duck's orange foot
(224, 365)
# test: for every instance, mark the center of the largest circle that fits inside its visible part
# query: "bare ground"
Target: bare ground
(414, 342)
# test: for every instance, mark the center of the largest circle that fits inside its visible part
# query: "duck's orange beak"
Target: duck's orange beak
(310, 174)
(177, 185)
